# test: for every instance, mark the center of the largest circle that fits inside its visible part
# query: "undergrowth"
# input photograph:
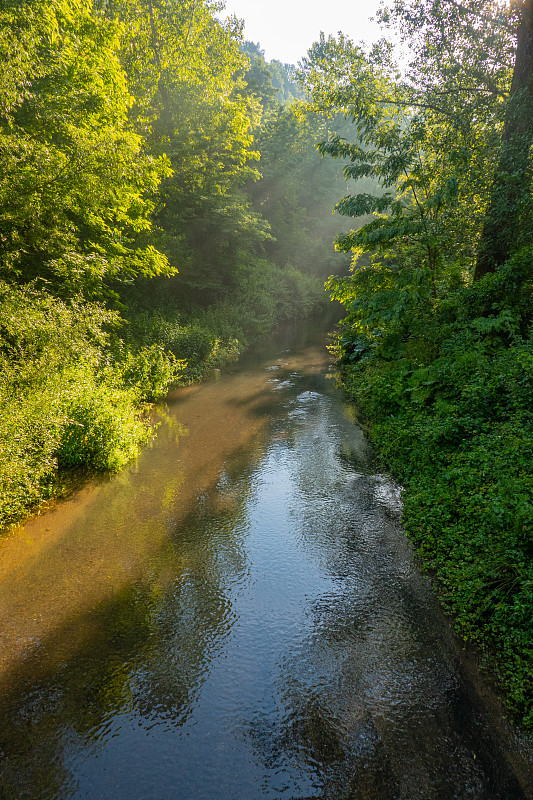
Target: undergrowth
(77, 380)
(447, 390)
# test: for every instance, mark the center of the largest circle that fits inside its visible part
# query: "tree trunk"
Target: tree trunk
(512, 179)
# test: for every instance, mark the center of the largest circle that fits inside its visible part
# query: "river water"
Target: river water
(237, 615)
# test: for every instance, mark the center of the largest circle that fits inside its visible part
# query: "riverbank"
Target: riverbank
(447, 396)
(78, 381)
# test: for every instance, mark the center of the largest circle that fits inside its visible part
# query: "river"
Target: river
(238, 615)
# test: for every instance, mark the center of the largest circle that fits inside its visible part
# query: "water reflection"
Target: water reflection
(143, 657)
(237, 616)
(373, 702)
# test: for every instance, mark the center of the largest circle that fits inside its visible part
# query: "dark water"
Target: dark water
(238, 616)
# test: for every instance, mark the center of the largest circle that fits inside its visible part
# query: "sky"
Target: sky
(286, 29)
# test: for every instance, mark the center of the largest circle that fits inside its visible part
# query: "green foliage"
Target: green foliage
(150, 370)
(185, 71)
(102, 429)
(272, 82)
(297, 191)
(267, 294)
(65, 401)
(441, 368)
(74, 186)
(191, 345)
(129, 134)
(29, 436)
(429, 139)
(200, 339)
(447, 391)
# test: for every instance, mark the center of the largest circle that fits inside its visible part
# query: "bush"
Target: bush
(151, 371)
(102, 428)
(264, 296)
(451, 415)
(63, 404)
(30, 431)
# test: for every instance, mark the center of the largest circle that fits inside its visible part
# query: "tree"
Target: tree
(466, 51)
(259, 79)
(429, 138)
(74, 208)
(185, 70)
(511, 187)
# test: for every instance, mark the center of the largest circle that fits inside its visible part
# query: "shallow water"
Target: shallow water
(237, 615)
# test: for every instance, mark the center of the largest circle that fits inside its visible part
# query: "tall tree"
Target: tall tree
(511, 188)
(74, 180)
(185, 70)
(429, 137)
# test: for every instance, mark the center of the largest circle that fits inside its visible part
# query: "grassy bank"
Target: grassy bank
(447, 392)
(77, 381)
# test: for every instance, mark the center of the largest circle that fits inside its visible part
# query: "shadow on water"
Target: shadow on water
(144, 653)
(238, 616)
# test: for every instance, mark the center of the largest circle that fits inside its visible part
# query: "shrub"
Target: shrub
(451, 415)
(63, 404)
(102, 428)
(151, 371)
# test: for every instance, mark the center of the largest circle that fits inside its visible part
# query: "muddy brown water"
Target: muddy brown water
(238, 615)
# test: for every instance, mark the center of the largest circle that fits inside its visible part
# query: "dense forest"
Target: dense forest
(163, 204)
